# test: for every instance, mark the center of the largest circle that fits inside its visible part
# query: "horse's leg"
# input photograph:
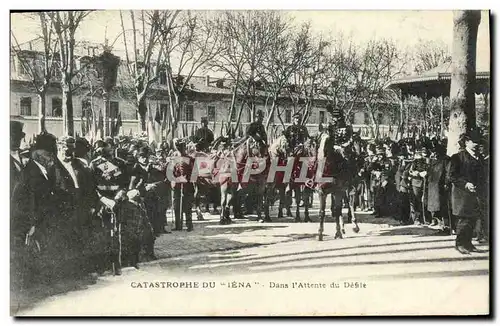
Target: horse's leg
(236, 201)
(322, 205)
(296, 189)
(353, 213)
(281, 200)
(224, 202)
(307, 194)
(269, 198)
(337, 214)
(197, 202)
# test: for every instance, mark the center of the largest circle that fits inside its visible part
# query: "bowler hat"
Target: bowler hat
(260, 113)
(204, 119)
(82, 143)
(297, 115)
(16, 130)
(46, 141)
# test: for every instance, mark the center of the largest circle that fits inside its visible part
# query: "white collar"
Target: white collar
(15, 155)
(84, 161)
(471, 153)
(42, 169)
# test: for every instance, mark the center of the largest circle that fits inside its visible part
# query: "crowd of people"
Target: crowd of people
(78, 208)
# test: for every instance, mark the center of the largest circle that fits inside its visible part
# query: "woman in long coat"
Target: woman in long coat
(437, 202)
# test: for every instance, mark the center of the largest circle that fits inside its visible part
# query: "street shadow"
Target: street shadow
(377, 262)
(420, 231)
(28, 298)
(254, 260)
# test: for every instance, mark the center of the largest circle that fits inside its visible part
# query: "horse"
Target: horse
(278, 152)
(232, 178)
(206, 183)
(305, 157)
(340, 171)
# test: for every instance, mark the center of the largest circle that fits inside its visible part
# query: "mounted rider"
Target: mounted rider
(203, 136)
(340, 132)
(297, 133)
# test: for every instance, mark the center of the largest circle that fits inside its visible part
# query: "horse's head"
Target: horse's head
(280, 147)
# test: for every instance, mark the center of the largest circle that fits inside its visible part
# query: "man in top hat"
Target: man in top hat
(256, 129)
(297, 133)
(469, 178)
(16, 162)
(203, 136)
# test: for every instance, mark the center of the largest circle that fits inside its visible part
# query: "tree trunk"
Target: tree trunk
(67, 103)
(143, 110)
(41, 113)
(271, 112)
(441, 107)
(463, 76)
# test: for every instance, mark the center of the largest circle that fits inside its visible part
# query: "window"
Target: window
(22, 66)
(288, 116)
(189, 114)
(26, 106)
(367, 118)
(86, 108)
(211, 113)
(322, 117)
(164, 110)
(235, 114)
(113, 109)
(162, 78)
(56, 107)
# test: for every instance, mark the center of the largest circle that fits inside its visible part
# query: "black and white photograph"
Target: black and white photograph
(226, 162)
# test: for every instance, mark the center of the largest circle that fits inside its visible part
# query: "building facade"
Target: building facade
(205, 96)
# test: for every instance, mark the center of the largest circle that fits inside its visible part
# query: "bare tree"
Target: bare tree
(380, 62)
(40, 67)
(143, 53)
(310, 75)
(340, 82)
(65, 25)
(187, 48)
(429, 54)
(285, 54)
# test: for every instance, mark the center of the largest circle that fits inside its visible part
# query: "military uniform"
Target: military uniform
(257, 131)
(297, 134)
(183, 191)
(109, 181)
(418, 166)
(204, 138)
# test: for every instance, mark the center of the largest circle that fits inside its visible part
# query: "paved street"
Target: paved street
(399, 270)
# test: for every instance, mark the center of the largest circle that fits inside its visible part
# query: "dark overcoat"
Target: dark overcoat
(463, 169)
(436, 199)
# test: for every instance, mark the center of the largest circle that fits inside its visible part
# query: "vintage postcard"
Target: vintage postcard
(250, 163)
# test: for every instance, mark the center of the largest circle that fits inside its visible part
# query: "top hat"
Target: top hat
(16, 130)
(204, 119)
(260, 113)
(473, 135)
